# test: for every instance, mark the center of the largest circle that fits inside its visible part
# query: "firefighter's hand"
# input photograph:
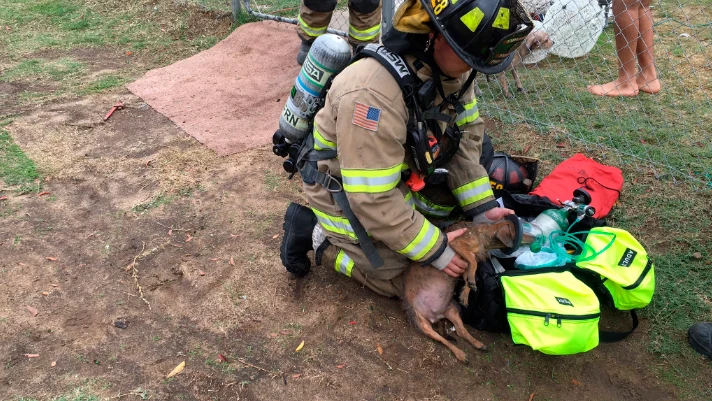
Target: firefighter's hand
(457, 266)
(492, 215)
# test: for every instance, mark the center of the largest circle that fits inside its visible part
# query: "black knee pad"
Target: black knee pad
(321, 6)
(364, 6)
(299, 222)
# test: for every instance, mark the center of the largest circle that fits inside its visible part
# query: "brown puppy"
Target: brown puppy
(535, 40)
(428, 292)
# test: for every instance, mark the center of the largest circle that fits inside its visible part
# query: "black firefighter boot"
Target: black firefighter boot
(303, 51)
(299, 222)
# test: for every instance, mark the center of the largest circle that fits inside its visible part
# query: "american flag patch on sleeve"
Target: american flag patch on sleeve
(366, 116)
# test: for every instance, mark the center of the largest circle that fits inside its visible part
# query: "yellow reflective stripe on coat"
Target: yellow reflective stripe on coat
(473, 192)
(335, 224)
(344, 264)
(423, 242)
(321, 143)
(470, 114)
(426, 206)
(409, 199)
(371, 181)
(364, 35)
(309, 30)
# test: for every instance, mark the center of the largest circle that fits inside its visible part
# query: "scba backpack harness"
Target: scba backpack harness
(430, 157)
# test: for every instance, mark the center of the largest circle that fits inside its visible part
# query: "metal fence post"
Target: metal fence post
(387, 11)
(236, 9)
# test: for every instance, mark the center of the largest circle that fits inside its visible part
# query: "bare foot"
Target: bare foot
(615, 88)
(647, 85)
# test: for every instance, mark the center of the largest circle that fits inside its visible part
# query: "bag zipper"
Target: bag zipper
(641, 277)
(548, 315)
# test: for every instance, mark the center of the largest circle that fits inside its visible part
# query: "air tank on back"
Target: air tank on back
(328, 55)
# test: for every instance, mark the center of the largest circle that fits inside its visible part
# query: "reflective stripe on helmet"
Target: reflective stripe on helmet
(371, 181)
(365, 35)
(473, 191)
(470, 114)
(321, 143)
(344, 264)
(427, 207)
(423, 242)
(310, 30)
(335, 224)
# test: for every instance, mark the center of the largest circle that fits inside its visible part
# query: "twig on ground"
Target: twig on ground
(259, 368)
(134, 274)
(171, 227)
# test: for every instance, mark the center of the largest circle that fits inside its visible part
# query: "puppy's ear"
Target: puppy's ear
(506, 234)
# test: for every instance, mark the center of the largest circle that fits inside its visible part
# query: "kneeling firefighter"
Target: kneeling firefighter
(394, 153)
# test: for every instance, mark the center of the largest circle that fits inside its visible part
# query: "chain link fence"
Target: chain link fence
(666, 134)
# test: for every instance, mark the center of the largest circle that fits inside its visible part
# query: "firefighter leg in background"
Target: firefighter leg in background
(315, 16)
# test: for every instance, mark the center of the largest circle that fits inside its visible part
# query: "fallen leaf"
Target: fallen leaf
(176, 370)
(3, 197)
(232, 261)
(214, 259)
(275, 236)
(170, 232)
(234, 235)
(301, 345)
(273, 335)
(643, 141)
(340, 366)
(32, 355)
(222, 358)
(352, 322)
(531, 396)
(32, 310)
(526, 149)
(188, 238)
(202, 273)
(575, 382)
(561, 145)
(43, 193)
(21, 264)
(148, 163)
(7, 28)
(54, 285)
(697, 255)
(379, 349)
(53, 364)
(285, 332)
(296, 376)
(130, 266)
(52, 258)
(45, 293)
(129, 53)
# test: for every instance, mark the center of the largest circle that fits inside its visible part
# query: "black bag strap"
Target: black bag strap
(615, 336)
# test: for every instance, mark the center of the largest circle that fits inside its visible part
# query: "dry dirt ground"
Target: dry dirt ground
(139, 226)
(134, 202)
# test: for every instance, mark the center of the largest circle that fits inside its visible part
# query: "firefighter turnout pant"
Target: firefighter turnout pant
(364, 20)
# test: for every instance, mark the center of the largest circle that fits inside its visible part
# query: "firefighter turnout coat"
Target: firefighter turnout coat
(364, 119)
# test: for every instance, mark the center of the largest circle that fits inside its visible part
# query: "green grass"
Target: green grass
(668, 131)
(16, 169)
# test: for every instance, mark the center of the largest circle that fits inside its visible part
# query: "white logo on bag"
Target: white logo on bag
(627, 258)
(564, 301)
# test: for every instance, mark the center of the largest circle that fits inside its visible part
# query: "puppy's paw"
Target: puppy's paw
(483, 348)
(522, 90)
(461, 356)
(465, 296)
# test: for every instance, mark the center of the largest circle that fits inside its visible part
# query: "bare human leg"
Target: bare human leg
(647, 79)
(627, 32)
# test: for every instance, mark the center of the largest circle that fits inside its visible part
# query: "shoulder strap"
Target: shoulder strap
(614, 336)
(396, 65)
